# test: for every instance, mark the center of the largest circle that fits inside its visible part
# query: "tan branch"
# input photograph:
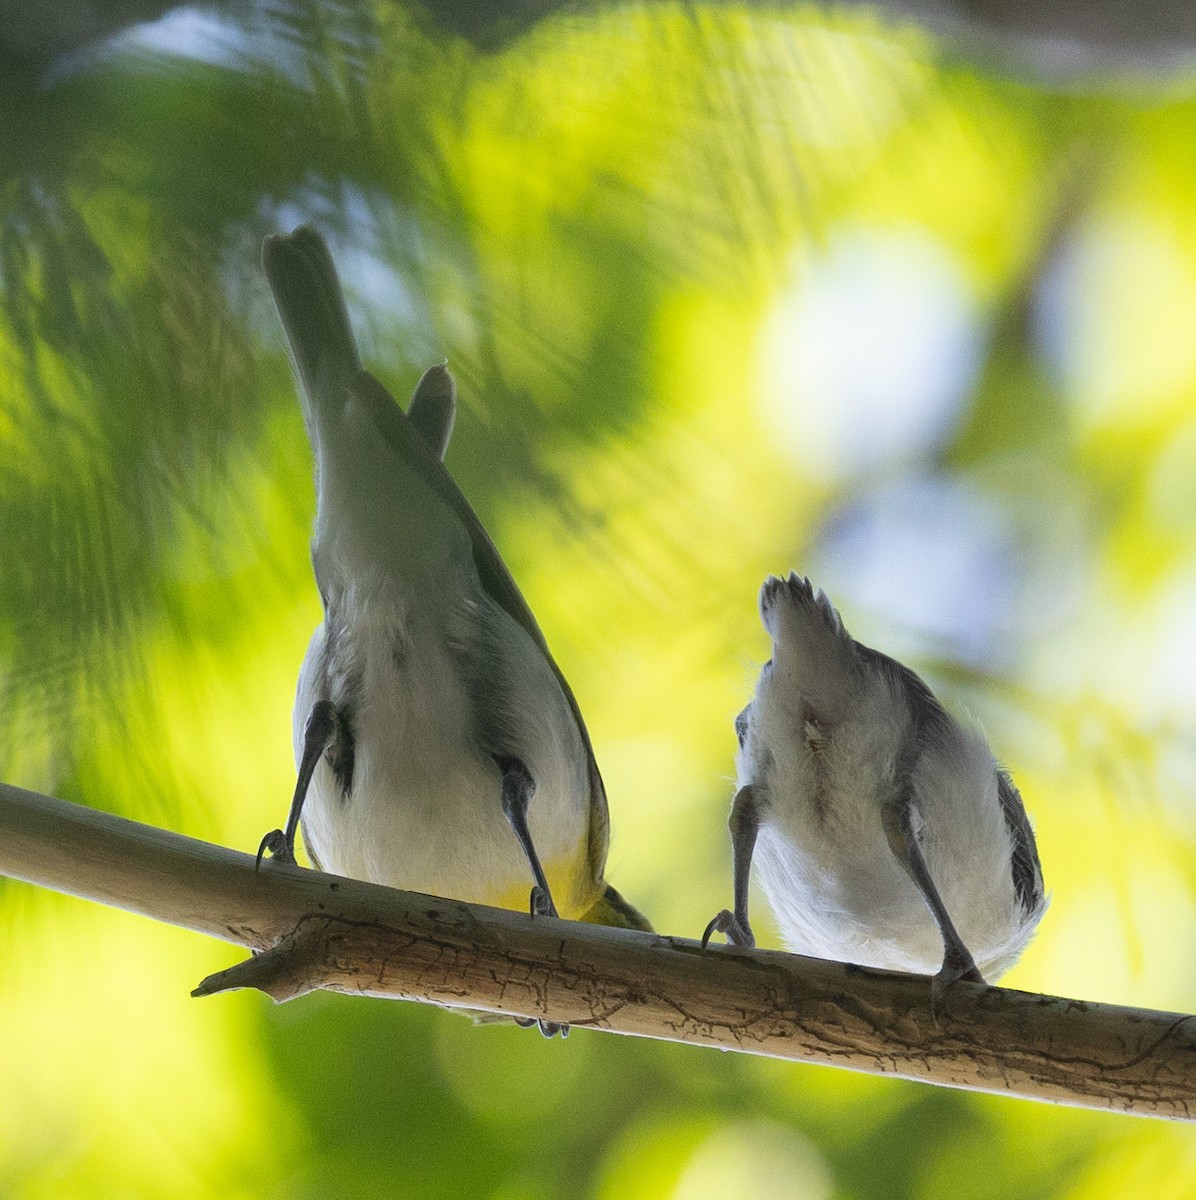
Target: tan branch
(321, 931)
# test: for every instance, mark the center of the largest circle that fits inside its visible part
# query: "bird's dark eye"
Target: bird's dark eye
(741, 725)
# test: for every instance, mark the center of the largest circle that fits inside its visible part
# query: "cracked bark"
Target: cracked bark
(318, 931)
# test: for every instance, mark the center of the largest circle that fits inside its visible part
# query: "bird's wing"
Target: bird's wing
(1025, 863)
(397, 430)
(433, 409)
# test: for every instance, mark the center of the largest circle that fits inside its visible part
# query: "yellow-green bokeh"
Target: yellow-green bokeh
(671, 253)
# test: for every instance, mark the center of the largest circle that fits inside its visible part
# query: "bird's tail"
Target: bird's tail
(811, 646)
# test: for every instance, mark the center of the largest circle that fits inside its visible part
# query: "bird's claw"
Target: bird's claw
(540, 903)
(548, 1028)
(738, 932)
(276, 843)
(955, 967)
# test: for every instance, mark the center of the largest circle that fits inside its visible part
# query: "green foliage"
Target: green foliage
(727, 291)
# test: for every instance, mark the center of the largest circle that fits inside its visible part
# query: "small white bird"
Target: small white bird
(439, 748)
(884, 830)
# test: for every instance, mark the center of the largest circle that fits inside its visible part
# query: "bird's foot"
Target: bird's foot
(548, 1028)
(739, 933)
(540, 904)
(275, 842)
(957, 965)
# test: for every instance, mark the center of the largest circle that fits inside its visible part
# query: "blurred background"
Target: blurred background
(728, 290)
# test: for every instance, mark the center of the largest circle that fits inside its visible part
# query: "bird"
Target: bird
(884, 831)
(439, 748)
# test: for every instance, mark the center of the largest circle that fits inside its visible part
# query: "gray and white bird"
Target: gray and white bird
(439, 748)
(884, 831)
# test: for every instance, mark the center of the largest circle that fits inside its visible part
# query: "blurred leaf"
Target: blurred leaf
(727, 290)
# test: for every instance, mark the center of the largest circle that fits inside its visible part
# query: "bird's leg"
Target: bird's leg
(744, 824)
(518, 787)
(903, 840)
(328, 733)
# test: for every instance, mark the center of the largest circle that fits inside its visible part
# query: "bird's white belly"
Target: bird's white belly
(445, 837)
(857, 904)
(863, 908)
(425, 809)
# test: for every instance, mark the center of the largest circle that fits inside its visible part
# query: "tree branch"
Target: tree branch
(321, 931)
